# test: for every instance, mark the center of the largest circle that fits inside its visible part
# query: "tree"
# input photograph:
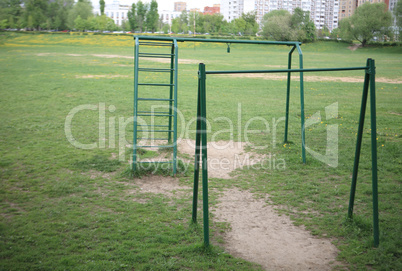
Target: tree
(152, 17)
(102, 6)
(79, 23)
(251, 27)
(398, 17)
(142, 10)
(131, 15)
(11, 11)
(277, 25)
(82, 8)
(368, 21)
(35, 13)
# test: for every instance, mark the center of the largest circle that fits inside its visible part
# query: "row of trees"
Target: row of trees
(369, 20)
(195, 22)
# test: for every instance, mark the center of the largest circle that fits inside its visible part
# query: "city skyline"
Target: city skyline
(164, 4)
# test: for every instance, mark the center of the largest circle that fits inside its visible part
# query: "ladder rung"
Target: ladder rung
(153, 112)
(155, 131)
(154, 70)
(153, 84)
(153, 138)
(155, 55)
(156, 43)
(154, 99)
(154, 125)
(158, 115)
(161, 146)
(156, 162)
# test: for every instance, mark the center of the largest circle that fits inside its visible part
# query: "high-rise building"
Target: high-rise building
(322, 12)
(346, 8)
(180, 6)
(233, 9)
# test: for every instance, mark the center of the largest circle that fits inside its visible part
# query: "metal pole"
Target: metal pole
(176, 70)
(171, 91)
(303, 136)
(288, 94)
(204, 155)
(359, 141)
(136, 52)
(197, 152)
(376, 229)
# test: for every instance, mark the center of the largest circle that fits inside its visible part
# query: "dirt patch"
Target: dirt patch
(167, 186)
(113, 56)
(258, 234)
(108, 76)
(354, 47)
(316, 78)
(223, 156)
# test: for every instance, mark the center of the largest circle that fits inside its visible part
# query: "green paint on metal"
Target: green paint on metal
(172, 101)
(373, 113)
(288, 94)
(201, 147)
(302, 118)
(136, 53)
(176, 71)
(358, 142)
(290, 43)
(369, 81)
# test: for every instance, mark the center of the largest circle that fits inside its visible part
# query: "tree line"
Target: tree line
(370, 21)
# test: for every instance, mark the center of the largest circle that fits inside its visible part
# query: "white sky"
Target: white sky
(167, 4)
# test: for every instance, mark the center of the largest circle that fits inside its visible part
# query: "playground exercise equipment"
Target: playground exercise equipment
(201, 134)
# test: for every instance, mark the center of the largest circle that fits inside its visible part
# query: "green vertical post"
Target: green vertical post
(374, 152)
(171, 91)
(288, 94)
(197, 153)
(136, 52)
(204, 154)
(303, 135)
(176, 70)
(359, 141)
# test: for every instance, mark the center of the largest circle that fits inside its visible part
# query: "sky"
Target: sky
(167, 4)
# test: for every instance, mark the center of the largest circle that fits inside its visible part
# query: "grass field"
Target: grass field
(68, 208)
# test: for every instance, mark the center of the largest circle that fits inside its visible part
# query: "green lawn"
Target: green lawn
(68, 208)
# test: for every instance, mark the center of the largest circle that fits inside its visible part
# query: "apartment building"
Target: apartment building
(322, 12)
(180, 6)
(116, 11)
(233, 9)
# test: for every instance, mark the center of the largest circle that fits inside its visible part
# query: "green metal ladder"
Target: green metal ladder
(161, 124)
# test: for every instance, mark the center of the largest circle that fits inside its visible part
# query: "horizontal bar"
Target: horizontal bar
(161, 146)
(153, 139)
(153, 112)
(155, 55)
(289, 70)
(218, 40)
(156, 43)
(157, 115)
(158, 131)
(154, 70)
(156, 162)
(153, 84)
(154, 99)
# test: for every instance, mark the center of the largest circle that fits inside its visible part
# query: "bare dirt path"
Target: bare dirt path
(258, 233)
